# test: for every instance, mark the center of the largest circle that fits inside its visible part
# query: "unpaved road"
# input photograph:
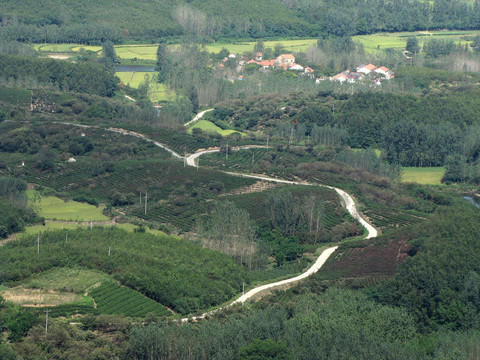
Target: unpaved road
(190, 160)
(349, 204)
(198, 117)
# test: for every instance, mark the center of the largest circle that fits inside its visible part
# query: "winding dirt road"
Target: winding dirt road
(192, 160)
(349, 204)
(198, 117)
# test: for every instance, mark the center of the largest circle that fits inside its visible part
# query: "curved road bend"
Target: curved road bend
(198, 117)
(190, 160)
(349, 204)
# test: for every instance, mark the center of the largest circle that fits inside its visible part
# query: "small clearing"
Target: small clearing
(40, 298)
(54, 208)
(424, 176)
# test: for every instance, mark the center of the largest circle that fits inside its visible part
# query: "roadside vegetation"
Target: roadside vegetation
(116, 239)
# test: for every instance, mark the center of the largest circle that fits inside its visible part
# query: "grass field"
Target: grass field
(51, 226)
(156, 91)
(149, 51)
(247, 46)
(53, 208)
(427, 176)
(372, 43)
(210, 127)
(73, 280)
(382, 41)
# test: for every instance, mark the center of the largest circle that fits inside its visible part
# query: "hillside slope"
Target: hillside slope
(156, 18)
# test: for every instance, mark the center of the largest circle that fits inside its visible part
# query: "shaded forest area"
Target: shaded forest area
(437, 128)
(93, 23)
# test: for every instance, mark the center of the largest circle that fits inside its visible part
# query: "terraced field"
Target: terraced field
(112, 298)
(390, 218)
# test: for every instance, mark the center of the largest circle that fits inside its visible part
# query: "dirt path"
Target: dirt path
(198, 117)
(192, 160)
(349, 205)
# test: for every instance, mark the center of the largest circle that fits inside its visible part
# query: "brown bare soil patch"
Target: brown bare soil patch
(378, 258)
(38, 297)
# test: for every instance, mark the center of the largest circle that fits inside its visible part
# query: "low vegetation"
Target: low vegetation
(183, 281)
(111, 298)
(53, 208)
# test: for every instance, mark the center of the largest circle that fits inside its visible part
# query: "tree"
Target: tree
(439, 47)
(339, 22)
(231, 231)
(19, 326)
(284, 211)
(266, 350)
(313, 213)
(412, 45)
(259, 46)
(193, 96)
(162, 54)
(108, 54)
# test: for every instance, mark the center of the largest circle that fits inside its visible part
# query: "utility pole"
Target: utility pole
(38, 244)
(291, 135)
(109, 251)
(227, 153)
(268, 135)
(140, 198)
(91, 224)
(243, 292)
(146, 199)
(198, 162)
(46, 320)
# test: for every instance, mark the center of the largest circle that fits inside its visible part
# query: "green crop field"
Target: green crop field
(156, 91)
(149, 51)
(60, 48)
(372, 43)
(51, 226)
(185, 276)
(247, 46)
(145, 52)
(51, 207)
(15, 96)
(427, 176)
(210, 127)
(74, 280)
(112, 298)
(382, 41)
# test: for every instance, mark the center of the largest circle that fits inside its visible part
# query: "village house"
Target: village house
(343, 76)
(309, 72)
(366, 69)
(353, 77)
(385, 72)
(296, 67)
(287, 59)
